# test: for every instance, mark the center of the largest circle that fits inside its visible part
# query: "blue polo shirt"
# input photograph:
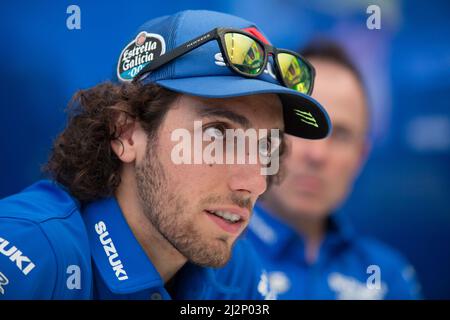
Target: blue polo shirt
(50, 248)
(348, 266)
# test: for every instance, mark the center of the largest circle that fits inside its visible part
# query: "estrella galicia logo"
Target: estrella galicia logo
(138, 53)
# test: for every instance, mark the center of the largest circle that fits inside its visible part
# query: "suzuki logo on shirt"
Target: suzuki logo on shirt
(264, 287)
(15, 255)
(3, 282)
(349, 288)
(110, 250)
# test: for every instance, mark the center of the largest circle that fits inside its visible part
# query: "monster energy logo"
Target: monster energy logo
(306, 117)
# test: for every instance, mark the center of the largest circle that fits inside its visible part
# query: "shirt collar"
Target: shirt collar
(277, 234)
(271, 230)
(124, 266)
(119, 258)
(340, 226)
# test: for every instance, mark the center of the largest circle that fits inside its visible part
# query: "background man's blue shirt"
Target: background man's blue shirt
(49, 249)
(341, 270)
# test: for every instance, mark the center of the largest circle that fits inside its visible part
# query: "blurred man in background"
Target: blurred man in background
(311, 251)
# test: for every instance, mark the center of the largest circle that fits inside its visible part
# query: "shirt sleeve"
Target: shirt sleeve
(27, 261)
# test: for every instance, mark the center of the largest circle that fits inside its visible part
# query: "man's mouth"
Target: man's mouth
(226, 215)
(228, 221)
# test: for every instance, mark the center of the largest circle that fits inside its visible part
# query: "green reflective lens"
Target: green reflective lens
(296, 74)
(244, 53)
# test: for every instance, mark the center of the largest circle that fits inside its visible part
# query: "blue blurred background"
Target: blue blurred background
(402, 197)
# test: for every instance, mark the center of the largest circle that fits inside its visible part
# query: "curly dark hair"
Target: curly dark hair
(81, 158)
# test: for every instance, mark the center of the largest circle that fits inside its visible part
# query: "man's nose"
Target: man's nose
(315, 152)
(247, 179)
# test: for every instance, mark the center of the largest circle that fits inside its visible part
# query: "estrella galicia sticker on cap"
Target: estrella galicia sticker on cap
(138, 53)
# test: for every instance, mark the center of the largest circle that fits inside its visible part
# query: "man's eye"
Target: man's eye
(215, 131)
(342, 135)
(265, 149)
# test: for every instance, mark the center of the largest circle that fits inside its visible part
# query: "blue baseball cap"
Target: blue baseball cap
(203, 72)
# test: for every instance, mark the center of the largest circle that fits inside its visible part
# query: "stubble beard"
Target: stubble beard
(169, 214)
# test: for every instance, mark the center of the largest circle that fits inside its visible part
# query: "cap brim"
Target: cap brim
(303, 116)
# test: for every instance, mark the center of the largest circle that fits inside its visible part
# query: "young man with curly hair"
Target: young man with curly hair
(120, 219)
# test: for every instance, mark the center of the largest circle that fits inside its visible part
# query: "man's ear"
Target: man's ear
(124, 145)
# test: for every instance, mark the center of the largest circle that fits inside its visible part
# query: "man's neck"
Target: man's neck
(311, 229)
(166, 259)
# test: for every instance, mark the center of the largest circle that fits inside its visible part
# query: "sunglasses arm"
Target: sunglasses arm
(177, 52)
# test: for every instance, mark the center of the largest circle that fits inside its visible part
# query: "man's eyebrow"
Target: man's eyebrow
(212, 111)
